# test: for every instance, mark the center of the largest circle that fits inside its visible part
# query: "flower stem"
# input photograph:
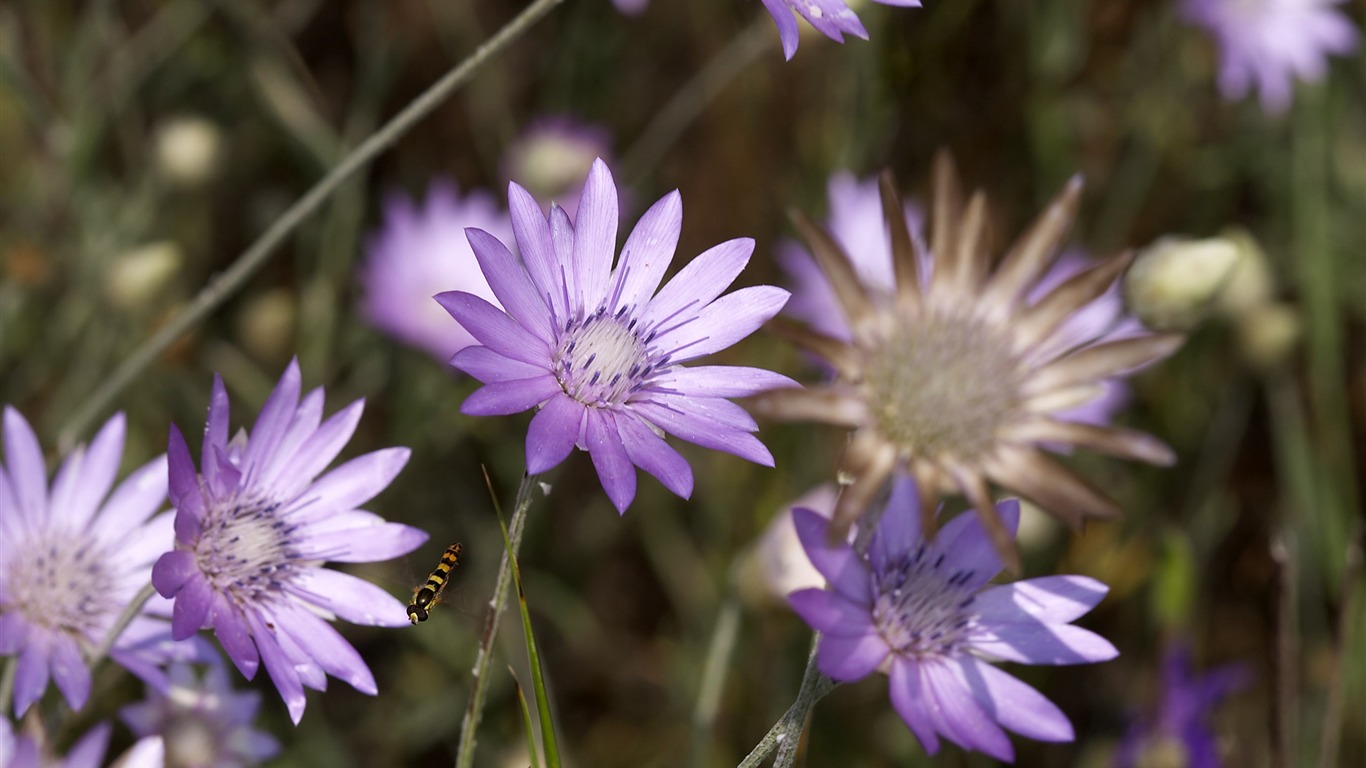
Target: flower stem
(228, 283)
(719, 651)
(121, 623)
(464, 756)
(785, 735)
(7, 676)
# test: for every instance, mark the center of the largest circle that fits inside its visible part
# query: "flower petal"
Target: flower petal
(495, 329)
(280, 667)
(231, 629)
(719, 381)
(898, 529)
(649, 452)
(192, 603)
(358, 480)
(724, 322)
(1014, 704)
(215, 436)
(837, 561)
(532, 231)
(30, 679)
(349, 597)
(831, 613)
(272, 422)
(318, 450)
(69, 671)
(911, 699)
(511, 284)
(967, 545)
(501, 398)
(705, 432)
(89, 751)
(959, 716)
(184, 488)
(1036, 643)
(1050, 599)
(363, 545)
(488, 366)
(647, 254)
(133, 501)
(851, 657)
(27, 470)
(329, 649)
(787, 26)
(172, 571)
(615, 470)
(697, 283)
(595, 236)
(553, 432)
(87, 475)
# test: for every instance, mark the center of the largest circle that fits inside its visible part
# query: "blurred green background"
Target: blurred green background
(1024, 94)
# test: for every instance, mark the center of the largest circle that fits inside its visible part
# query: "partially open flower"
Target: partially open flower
(957, 374)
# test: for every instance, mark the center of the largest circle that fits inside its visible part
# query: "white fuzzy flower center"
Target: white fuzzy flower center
(922, 610)
(602, 360)
(62, 582)
(943, 384)
(245, 549)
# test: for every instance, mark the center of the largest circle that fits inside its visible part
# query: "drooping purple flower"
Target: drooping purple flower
(1267, 44)
(922, 613)
(202, 720)
(72, 557)
(420, 251)
(1178, 732)
(256, 523)
(23, 750)
(599, 353)
(961, 371)
(551, 159)
(831, 18)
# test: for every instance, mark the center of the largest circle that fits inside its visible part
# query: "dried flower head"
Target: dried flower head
(957, 373)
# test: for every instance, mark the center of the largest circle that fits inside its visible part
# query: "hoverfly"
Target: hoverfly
(428, 595)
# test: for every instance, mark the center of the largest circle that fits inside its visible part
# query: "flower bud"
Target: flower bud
(1268, 333)
(137, 276)
(187, 150)
(1173, 281)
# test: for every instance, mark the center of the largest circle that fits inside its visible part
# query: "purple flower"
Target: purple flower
(22, 750)
(630, 7)
(202, 721)
(832, 18)
(922, 612)
(71, 559)
(1180, 724)
(551, 158)
(421, 251)
(598, 352)
(1267, 43)
(254, 526)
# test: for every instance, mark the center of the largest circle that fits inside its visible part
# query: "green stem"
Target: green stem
(785, 735)
(121, 623)
(464, 757)
(719, 652)
(225, 285)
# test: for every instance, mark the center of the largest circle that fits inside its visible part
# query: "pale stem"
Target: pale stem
(130, 612)
(464, 757)
(714, 674)
(228, 283)
(786, 734)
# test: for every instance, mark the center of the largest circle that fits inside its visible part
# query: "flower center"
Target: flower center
(942, 384)
(603, 361)
(246, 549)
(920, 610)
(63, 582)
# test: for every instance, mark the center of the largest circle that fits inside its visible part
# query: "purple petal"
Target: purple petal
(532, 231)
(183, 487)
(364, 545)
(960, 716)
(553, 432)
(837, 562)
(511, 284)
(898, 530)
(143, 545)
(192, 604)
(172, 571)
(1014, 704)
(495, 329)
(851, 657)
(351, 598)
(648, 252)
(13, 633)
(1050, 599)
(303, 424)
(615, 470)
(830, 613)
(968, 547)
(318, 450)
(502, 398)
(595, 235)
(649, 452)
(69, 670)
(215, 435)
(89, 751)
(87, 475)
(698, 282)
(787, 26)
(358, 480)
(721, 413)
(720, 381)
(12, 522)
(1035, 643)
(230, 627)
(133, 501)
(30, 679)
(724, 322)
(272, 422)
(705, 432)
(322, 643)
(281, 669)
(488, 366)
(912, 701)
(27, 470)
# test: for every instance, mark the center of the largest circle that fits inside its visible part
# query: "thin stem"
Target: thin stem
(7, 676)
(464, 756)
(785, 734)
(225, 285)
(1331, 737)
(719, 652)
(121, 623)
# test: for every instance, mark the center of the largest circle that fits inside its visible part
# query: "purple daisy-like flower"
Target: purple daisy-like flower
(599, 353)
(202, 720)
(22, 750)
(72, 557)
(254, 527)
(1178, 733)
(551, 159)
(420, 251)
(1266, 44)
(922, 612)
(832, 18)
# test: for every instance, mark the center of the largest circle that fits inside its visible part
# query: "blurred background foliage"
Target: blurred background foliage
(146, 143)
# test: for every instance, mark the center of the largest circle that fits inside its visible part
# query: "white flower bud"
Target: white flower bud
(136, 277)
(1174, 280)
(187, 150)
